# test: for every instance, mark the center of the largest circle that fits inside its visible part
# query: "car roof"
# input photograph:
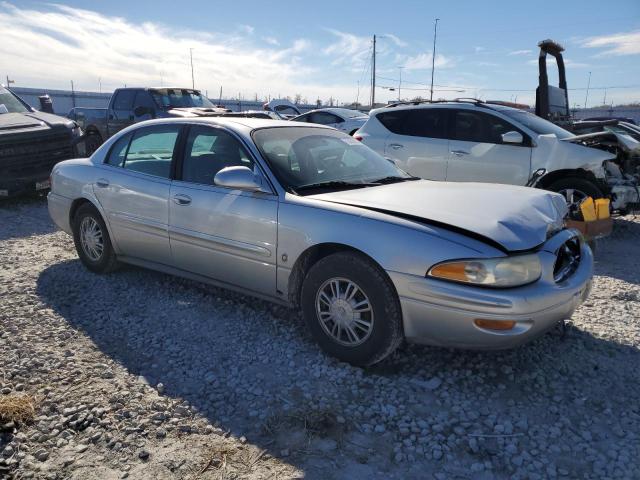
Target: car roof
(233, 122)
(447, 104)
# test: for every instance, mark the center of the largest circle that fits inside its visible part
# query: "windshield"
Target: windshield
(301, 157)
(10, 102)
(180, 98)
(537, 124)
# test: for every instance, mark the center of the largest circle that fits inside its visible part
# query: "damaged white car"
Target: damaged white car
(464, 141)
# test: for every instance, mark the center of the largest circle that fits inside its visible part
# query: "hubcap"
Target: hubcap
(573, 196)
(344, 311)
(91, 238)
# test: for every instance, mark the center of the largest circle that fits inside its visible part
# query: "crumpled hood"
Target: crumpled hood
(196, 111)
(516, 218)
(626, 142)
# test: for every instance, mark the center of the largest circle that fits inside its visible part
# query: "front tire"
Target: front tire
(352, 309)
(92, 241)
(575, 190)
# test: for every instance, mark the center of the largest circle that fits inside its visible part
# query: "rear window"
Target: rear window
(419, 122)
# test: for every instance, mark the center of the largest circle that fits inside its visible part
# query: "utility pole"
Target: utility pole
(193, 82)
(220, 97)
(400, 83)
(73, 95)
(373, 74)
(358, 94)
(587, 95)
(433, 56)
(9, 82)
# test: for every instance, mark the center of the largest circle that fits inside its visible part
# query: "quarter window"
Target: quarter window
(119, 151)
(151, 150)
(479, 127)
(209, 150)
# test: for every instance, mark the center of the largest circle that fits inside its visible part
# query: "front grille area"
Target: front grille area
(567, 261)
(27, 155)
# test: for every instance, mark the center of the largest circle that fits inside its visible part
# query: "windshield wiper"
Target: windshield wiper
(393, 179)
(334, 184)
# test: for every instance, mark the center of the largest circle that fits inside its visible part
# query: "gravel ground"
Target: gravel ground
(143, 375)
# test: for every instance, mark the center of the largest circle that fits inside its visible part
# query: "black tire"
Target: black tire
(577, 184)
(106, 261)
(386, 333)
(92, 142)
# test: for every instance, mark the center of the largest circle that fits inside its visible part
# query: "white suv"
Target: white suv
(465, 141)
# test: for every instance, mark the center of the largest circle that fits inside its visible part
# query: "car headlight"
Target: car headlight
(491, 272)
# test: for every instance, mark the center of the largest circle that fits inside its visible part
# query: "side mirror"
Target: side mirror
(241, 178)
(512, 137)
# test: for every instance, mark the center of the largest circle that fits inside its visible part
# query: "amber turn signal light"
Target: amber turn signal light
(495, 324)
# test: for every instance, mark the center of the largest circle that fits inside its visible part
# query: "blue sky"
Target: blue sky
(322, 49)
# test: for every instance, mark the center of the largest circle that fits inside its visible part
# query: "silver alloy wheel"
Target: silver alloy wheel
(91, 238)
(344, 311)
(573, 196)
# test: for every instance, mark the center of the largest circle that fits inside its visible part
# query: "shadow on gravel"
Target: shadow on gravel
(248, 366)
(613, 253)
(19, 218)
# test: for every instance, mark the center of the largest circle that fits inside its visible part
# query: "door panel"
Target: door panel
(121, 112)
(477, 153)
(137, 210)
(488, 162)
(224, 234)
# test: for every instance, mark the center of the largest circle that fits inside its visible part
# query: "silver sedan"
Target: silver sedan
(309, 217)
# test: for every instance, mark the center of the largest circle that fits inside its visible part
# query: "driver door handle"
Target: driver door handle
(181, 199)
(102, 182)
(459, 153)
(396, 146)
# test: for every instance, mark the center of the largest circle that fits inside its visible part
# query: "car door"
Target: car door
(133, 188)
(225, 234)
(121, 111)
(418, 142)
(478, 154)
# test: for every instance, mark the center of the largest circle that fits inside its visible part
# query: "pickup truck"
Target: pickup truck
(131, 105)
(31, 143)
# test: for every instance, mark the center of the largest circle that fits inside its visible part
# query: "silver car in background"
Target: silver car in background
(344, 119)
(309, 217)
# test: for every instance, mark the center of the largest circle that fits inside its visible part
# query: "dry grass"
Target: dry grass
(17, 408)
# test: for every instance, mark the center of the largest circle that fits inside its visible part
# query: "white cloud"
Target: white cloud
(271, 40)
(349, 49)
(520, 52)
(394, 39)
(422, 61)
(479, 49)
(247, 29)
(617, 43)
(48, 47)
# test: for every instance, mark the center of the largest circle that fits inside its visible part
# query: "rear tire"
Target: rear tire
(576, 189)
(92, 241)
(352, 308)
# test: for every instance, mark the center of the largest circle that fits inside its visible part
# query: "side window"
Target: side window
(151, 150)
(119, 151)
(423, 122)
(324, 118)
(209, 150)
(123, 103)
(303, 118)
(143, 105)
(479, 127)
(286, 110)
